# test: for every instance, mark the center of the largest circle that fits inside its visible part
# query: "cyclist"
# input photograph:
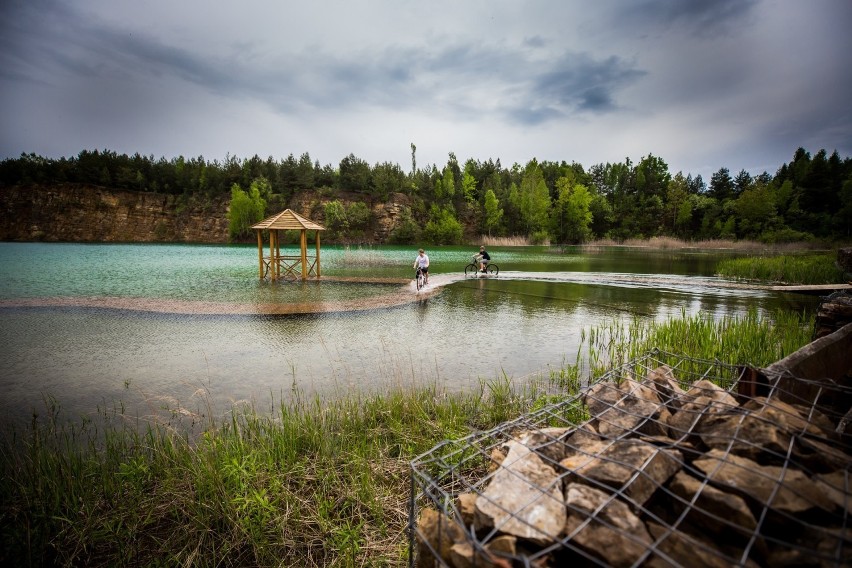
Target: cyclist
(482, 258)
(422, 263)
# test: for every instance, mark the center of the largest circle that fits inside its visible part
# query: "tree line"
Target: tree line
(544, 201)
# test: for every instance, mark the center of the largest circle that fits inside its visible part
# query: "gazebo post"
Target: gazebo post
(304, 242)
(273, 261)
(259, 252)
(316, 233)
(277, 253)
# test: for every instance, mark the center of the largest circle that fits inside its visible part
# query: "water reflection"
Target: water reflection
(527, 320)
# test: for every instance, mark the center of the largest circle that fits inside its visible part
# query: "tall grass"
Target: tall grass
(313, 483)
(788, 269)
(671, 243)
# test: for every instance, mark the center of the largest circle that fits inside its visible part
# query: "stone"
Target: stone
(676, 548)
(838, 488)
(712, 508)
(703, 399)
(523, 498)
(784, 416)
(627, 407)
(466, 504)
(667, 386)
(746, 435)
(436, 535)
(603, 526)
(785, 490)
(547, 442)
(633, 467)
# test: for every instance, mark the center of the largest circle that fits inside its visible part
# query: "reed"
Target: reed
(787, 269)
(671, 243)
(515, 241)
(362, 256)
(311, 483)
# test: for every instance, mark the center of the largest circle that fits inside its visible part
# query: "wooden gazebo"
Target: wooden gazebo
(277, 265)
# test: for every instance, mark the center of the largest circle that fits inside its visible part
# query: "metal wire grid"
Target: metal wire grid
(456, 467)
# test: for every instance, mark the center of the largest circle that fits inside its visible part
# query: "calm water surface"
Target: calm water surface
(522, 323)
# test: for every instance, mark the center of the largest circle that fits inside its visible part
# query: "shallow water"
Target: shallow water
(155, 326)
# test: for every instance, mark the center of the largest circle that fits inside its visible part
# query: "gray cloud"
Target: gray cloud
(700, 79)
(706, 18)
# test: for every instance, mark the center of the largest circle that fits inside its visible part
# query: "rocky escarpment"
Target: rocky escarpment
(84, 213)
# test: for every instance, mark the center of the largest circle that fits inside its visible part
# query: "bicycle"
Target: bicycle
(472, 269)
(419, 278)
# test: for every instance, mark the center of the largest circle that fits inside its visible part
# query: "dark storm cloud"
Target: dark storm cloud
(702, 17)
(578, 82)
(405, 77)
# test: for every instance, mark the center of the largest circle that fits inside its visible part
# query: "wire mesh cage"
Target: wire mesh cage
(663, 461)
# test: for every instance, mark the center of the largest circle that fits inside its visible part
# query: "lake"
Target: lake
(145, 328)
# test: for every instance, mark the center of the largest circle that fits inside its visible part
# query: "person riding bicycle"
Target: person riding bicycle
(482, 258)
(422, 263)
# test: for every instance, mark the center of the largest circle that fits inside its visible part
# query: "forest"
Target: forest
(807, 199)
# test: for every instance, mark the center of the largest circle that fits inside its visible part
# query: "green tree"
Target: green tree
(246, 209)
(755, 211)
(573, 215)
(407, 231)
(676, 205)
(445, 186)
(493, 212)
(354, 174)
(335, 219)
(442, 228)
(468, 187)
(531, 199)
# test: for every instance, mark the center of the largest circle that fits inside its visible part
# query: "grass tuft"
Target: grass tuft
(784, 269)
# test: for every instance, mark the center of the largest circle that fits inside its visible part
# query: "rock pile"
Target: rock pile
(834, 312)
(658, 476)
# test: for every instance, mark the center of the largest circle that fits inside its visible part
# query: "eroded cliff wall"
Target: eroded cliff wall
(95, 214)
(75, 213)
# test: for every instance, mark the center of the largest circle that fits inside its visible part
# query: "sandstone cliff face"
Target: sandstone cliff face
(73, 213)
(96, 214)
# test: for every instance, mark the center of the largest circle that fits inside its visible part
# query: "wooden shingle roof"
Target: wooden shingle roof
(288, 219)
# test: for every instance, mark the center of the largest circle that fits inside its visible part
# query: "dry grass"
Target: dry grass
(519, 241)
(671, 243)
(361, 256)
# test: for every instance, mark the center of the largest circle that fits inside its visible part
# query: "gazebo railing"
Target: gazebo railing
(289, 266)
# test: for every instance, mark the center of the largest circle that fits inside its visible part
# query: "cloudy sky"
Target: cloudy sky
(702, 84)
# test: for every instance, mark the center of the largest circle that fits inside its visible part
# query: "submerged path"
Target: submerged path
(404, 294)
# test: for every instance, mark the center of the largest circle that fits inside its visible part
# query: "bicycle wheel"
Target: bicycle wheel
(493, 269)
(470, 270)
(421, 280)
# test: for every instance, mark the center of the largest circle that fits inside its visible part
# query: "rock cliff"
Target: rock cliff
(85, 213)
(96, 214)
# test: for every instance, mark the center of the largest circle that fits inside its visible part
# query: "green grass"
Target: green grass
(315, 483)
(787, 269)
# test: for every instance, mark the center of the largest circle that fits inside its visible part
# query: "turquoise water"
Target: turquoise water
(520, 324)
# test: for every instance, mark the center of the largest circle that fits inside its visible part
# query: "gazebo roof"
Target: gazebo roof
(288, 219)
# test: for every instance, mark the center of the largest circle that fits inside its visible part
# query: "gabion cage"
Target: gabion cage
(663, 461)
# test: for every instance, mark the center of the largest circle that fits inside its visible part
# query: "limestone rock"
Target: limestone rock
(604, 526)
(713, 508)
(633, 467)
(786, 490)
(436, 535)
(524, 498)
(703, 399)
(626, 407)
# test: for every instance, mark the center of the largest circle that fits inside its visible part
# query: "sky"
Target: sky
(702, 84)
